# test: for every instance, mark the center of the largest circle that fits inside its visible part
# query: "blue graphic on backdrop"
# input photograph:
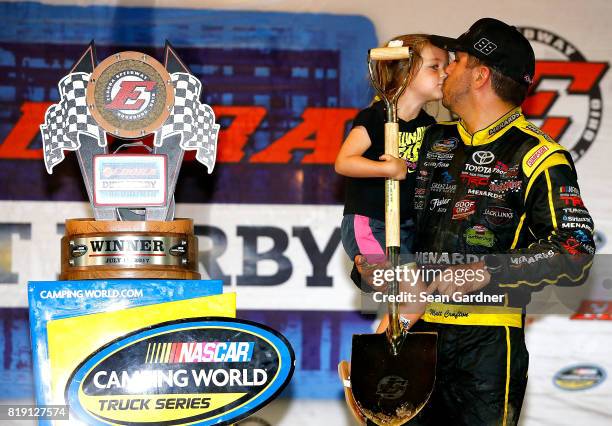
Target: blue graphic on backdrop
(16, 378)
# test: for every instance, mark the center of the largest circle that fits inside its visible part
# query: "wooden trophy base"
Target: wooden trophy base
(129, 249)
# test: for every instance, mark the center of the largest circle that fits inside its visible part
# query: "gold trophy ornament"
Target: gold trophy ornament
(130, 96)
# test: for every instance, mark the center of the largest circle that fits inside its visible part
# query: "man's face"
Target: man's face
(458, 83)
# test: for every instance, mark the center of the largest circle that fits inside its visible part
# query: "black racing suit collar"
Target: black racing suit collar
(491, 132)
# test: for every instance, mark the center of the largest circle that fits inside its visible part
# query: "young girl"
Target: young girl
(363, 161)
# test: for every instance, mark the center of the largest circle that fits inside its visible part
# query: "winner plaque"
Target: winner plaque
(126, 99)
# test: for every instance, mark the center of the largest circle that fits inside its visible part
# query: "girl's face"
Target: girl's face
(427, 83)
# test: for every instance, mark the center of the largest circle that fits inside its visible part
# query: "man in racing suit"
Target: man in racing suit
(496, 196)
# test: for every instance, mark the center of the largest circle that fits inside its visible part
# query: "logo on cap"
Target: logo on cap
(485, 46)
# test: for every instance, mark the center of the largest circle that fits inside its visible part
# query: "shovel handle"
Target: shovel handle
(392, 231)
(392, 200)
(389, 53)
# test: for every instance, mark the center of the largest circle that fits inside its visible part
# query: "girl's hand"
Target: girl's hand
(411, 311)
(394, 168)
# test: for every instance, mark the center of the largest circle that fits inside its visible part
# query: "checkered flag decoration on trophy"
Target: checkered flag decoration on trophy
(189, 118)
(66, 119)
(194, 120)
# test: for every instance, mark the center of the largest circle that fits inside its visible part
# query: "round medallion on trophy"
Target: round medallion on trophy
(130, 94)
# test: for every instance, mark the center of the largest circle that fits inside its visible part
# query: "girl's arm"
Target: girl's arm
(350, 161)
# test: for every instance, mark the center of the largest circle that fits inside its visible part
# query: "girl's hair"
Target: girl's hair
(391, 74)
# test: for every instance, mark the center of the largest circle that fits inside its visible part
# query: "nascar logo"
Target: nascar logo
(188, 352)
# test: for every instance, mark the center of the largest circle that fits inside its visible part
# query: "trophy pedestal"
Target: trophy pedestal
(94, 249)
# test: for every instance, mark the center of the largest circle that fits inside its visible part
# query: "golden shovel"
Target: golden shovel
(392, 374)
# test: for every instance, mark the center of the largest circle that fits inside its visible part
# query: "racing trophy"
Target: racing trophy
(128, 97)
(130, 302)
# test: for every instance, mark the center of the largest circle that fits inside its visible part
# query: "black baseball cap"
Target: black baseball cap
(498, 45)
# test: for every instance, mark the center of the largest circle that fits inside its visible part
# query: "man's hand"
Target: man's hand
(366, 270)
(479, 273)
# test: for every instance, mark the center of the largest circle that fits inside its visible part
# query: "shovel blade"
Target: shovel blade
(344, 371)
(392, 389)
